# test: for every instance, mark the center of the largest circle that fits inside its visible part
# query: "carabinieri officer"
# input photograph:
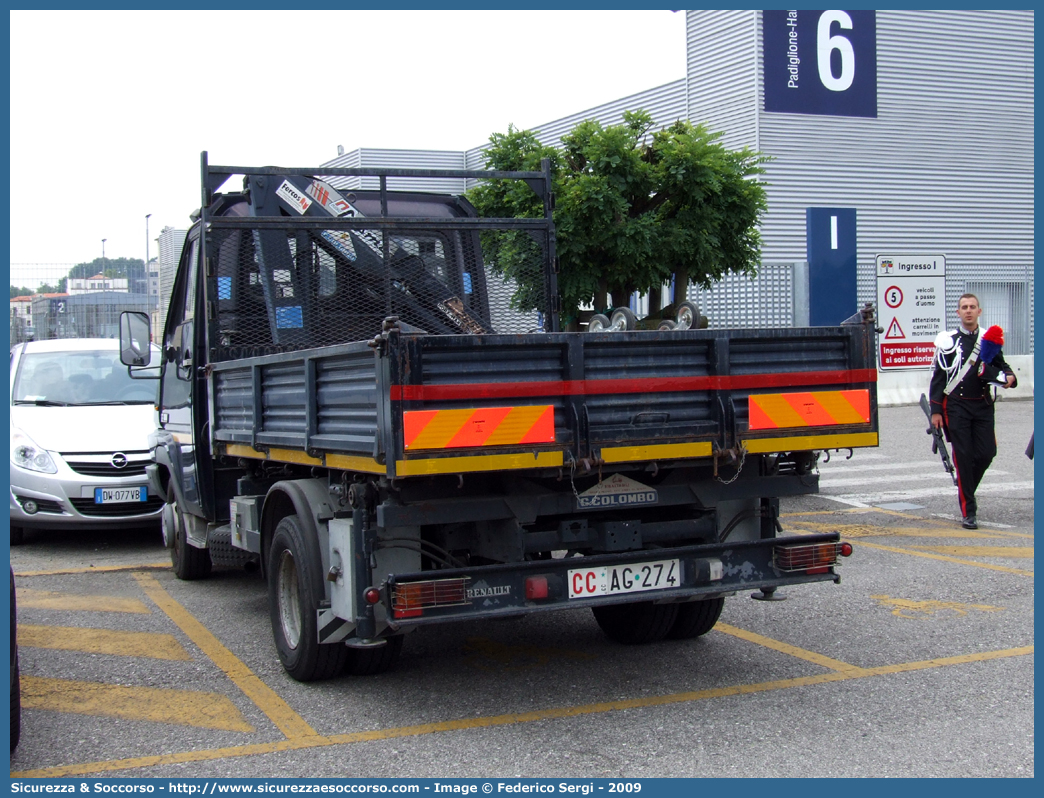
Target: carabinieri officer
(962, 401)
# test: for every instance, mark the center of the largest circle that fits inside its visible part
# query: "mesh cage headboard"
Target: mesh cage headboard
(293, 264)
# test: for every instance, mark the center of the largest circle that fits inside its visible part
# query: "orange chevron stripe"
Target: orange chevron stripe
(472, 427)
(815, 409)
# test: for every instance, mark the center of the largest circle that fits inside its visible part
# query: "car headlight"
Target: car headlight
(26, 454)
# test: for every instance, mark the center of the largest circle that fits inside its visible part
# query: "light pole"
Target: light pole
(148, 272)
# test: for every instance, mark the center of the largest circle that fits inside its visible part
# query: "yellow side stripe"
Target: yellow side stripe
(810, 442)
(345, 461)
(489, 462)
(662, 451)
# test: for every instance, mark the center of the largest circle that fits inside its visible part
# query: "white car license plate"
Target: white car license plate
(120, 495)
(631, 578)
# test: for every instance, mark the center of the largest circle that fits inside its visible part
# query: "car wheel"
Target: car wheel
(295, 588)
(637, 623)
(17, 535)
(188, 561)
(696, 618)
(368, 661)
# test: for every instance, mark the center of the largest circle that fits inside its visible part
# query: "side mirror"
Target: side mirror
(135, 338)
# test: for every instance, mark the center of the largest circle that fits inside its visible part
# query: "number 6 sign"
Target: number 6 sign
(820, 62)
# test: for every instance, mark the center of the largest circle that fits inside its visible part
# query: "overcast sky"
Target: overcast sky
(110, 110)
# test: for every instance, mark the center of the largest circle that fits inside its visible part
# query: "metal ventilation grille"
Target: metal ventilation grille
(107, 469)
(281, 290)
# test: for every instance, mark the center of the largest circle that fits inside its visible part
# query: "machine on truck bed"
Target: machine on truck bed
(366, 393)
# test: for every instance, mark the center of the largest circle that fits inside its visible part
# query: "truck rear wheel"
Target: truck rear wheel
(637, 623)
(188, 561)
(368, 661)
(696, 618)
(295, 588)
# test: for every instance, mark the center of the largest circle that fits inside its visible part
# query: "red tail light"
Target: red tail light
(536, 587)
(813, 558)
(410, 599)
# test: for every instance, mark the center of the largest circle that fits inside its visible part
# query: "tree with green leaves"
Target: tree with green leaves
(634, 208)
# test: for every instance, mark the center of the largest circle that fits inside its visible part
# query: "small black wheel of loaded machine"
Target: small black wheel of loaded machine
(688, 315)
(295, 588)
(622, 319)
(636, 623)
(696, 618)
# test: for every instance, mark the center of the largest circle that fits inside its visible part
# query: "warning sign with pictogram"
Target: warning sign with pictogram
(911, 297)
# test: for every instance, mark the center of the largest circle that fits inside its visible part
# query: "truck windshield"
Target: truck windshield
(81, 377)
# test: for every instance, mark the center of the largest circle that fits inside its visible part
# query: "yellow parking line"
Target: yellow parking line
(786, 648)
(898, 514)
(930, 556)
(156, 704)
(949, 524)
(301, 743)
(107, 569)
(1009, 552)
(268, 701)
(102, 641)
(50, 600)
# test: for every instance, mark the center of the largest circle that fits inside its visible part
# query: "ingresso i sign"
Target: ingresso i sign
(911, 307)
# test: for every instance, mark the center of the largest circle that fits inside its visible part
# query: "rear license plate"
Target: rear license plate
(631, 578)
(120, 495)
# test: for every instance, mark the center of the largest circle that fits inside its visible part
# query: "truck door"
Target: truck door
(180, 384)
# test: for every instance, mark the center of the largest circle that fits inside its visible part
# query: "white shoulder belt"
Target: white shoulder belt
(948, 343)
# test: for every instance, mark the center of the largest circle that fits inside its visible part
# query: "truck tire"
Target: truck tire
(696, 618)
(16, 709)
(189, 562)
(369, 661)
(636, 623)
(295, 588)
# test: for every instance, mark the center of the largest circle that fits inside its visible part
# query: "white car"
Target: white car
(79, 437)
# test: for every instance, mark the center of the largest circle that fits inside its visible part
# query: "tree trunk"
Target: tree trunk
(601, 297)
(681, 285)
(622, 296)
(655, 300)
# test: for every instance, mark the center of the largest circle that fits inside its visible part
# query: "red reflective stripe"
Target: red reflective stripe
(414, 424)
(860, 401)
(543, 429)
(513, 390)
(478, 427)
(757, 418)
(808, 407)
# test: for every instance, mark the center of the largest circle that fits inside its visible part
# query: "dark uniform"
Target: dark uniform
(968, 414)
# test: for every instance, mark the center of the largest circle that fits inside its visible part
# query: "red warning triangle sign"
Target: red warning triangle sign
(894, 330)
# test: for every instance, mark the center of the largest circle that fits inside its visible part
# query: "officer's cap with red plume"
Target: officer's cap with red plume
(991, 343)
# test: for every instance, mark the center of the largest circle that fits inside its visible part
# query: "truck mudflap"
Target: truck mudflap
(668, 574)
